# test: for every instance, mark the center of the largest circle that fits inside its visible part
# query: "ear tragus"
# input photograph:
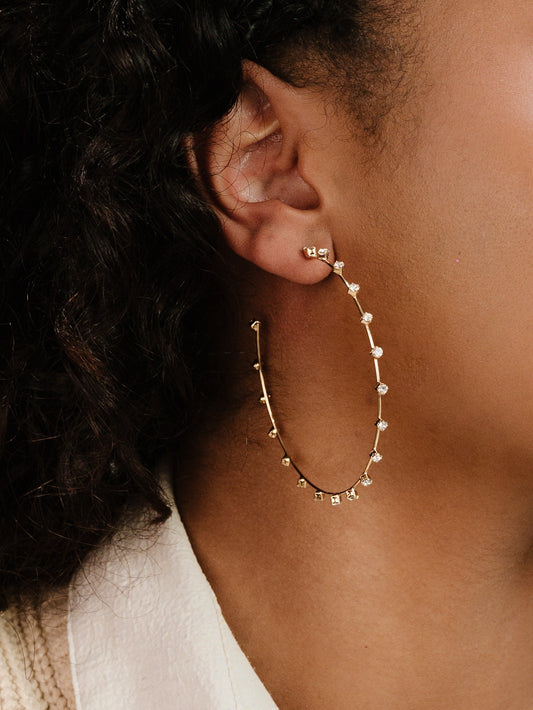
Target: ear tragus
(248, 165)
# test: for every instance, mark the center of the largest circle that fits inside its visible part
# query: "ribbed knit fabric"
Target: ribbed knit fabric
(34, 666)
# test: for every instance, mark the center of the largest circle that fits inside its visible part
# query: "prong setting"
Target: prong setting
(352, 494)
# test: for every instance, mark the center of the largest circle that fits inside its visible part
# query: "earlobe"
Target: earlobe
(249, 166)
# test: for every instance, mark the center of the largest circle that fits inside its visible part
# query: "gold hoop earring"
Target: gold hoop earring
(381, 388)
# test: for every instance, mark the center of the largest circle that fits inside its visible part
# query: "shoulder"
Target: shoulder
(34, 657)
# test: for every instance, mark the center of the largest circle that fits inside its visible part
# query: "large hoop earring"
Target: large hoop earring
(381, 388)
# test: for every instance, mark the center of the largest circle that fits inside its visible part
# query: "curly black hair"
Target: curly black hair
(110, 256)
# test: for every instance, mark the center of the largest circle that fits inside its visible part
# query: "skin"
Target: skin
(420, 594)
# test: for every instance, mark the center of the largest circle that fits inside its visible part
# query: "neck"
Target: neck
(439, 485)
(432, 539)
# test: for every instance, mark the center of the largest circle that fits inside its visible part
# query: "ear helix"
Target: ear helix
(381, 388)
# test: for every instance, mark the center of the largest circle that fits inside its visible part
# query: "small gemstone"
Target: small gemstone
(323, 253)
(382, 424)
(335, 500)
(319, 495)
(256, 365)
(286, 461)
(365, 480)
(254, 325)
(382, 388)
(366, 318)
(376, 351)
(310, 252)
(352, 494)
(273, 433)
(338, 266)
(302, 483)
(376, 457)
(353, 289)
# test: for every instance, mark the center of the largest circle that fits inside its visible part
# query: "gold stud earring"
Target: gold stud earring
(381, 389)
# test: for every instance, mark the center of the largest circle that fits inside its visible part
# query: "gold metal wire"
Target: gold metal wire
(274, 433)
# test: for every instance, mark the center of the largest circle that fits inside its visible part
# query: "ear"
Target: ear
(250, 166)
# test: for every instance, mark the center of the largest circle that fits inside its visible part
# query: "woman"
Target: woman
(168, 169)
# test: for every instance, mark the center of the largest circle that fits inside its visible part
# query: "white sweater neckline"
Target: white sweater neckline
(146, 630)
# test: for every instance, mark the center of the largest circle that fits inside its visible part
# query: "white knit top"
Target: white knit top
(34, 658)
(145, 631)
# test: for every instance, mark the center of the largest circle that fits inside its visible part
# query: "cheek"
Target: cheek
(473, 168)
(462, 198)
(478, 136)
